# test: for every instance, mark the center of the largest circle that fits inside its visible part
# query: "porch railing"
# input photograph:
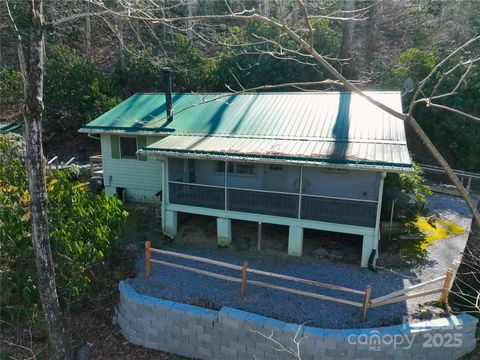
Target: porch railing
(197, 195)
(275, 203)
(263, 202)
(352, 212)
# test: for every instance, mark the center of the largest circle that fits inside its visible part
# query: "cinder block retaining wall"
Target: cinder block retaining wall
(233, 334)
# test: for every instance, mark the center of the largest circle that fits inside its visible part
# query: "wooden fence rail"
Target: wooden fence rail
(258, 272)
(396, 296)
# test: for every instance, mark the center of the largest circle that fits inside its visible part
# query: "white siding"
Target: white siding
(141, 179)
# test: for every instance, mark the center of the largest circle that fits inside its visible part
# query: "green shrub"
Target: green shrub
(142, 72)
(253, 67)
(11, 93)
(84, 232)
(413, 183)
(413, 63)
(74, 91)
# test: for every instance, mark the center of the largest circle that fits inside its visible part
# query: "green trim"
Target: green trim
(141, 143)
(110, 129)
(271, 219)
(115, 144)
(286, 158)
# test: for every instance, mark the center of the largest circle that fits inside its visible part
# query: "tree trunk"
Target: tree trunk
(466, 286)
(266, 8)
(191, 9)
(347, 38)
(370, 36)
(88, 32)
(33, 114)
(121, 44)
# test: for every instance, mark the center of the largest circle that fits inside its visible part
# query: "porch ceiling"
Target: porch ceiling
(378, 155)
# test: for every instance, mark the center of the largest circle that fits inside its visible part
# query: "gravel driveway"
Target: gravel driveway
(183, 286)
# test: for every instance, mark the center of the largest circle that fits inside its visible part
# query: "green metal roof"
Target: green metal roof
(392, 157)
(337, 126)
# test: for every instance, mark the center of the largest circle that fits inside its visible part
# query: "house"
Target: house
(306, 160)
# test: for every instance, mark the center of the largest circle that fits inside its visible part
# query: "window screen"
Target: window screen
(128, 147)
(246, 169)
(220, 167)
(273, 167)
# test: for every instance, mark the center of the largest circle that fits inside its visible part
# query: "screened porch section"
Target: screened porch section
(308, 193)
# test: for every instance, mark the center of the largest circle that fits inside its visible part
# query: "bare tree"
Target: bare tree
(31, 55)
(291, 351)
(88, 32)
(347, 38)
(465, 292)
(371, 29)
(31, 58)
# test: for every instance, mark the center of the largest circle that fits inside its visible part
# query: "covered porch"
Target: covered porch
(298, 196)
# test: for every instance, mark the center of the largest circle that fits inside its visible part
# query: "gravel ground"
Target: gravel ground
(445, 253)
(183, 286)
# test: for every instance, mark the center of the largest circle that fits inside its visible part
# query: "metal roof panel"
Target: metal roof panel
(382, 155)
(331, 125)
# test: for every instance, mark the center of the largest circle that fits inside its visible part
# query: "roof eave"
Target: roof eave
(316, 162)
(116, 131)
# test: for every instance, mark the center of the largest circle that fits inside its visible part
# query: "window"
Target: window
(128, 147)
(220, 167)
(273, 167)
(246, 169)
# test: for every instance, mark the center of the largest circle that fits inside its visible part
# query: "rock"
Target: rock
(241, 243)
(320, 253)
(425, 315)
(84, 352)
(336, 255)
(115, 317)
(278, 245)
(390, 260)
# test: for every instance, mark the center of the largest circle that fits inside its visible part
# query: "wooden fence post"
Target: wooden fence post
(244, 278)
(147, 258)
(366, 303)
(446, 287)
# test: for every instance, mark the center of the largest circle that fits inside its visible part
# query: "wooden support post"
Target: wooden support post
(244, 278)
(469, 184)
(446, 287)
(259, 243)
(147, 258)
(366, 303)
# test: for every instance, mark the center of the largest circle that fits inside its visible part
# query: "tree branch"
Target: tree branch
(470, 116)
(21, 55)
